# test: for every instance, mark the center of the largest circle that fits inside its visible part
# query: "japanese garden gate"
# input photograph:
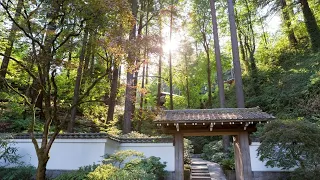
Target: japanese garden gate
(238, 122)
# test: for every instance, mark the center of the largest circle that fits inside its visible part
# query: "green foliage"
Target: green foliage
(74, 175)
(289, 144)
(20, 172)
(120, 157)
(187, 151)
(128, 167)
(102, 172)
(151, 166)
(81, 173)
(214, 152)
(180, 102)
(7, 150)
(306, 174)
(198, 142)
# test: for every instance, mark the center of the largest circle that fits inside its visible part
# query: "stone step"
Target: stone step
(201, 174)
(199, 163)
(199, 167)
(200, 178)
(200, 171)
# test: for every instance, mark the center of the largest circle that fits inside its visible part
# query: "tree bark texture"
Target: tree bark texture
(217, 54)
(311, 24)
(235, 55)
(170, 58)
(76, 92)
(130, 96)
(113, 93)
(287, 21)
(11, 39)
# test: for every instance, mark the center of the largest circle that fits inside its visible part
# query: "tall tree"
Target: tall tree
(170, 56)
(235, 55)
(311, 24)
(80, 70)
(286, 12)
(11, 39)
(130, 96)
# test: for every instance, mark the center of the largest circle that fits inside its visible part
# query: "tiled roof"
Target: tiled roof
(99, 136)
(217, 115)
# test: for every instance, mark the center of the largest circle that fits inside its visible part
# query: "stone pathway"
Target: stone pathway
(205, 170)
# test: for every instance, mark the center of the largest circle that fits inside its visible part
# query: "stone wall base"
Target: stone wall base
(266, 175)
(261, 175)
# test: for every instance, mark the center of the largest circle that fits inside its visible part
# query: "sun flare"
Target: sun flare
(173, 46)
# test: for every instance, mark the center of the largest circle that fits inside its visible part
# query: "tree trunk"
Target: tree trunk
(235, 55)
(76, 92)
(243, 54)
(170, 58)
(217, 54)
(311, 24)
(11, 39)
(209, 104)
(287, 21)
(128, 106)
(225, 139)
(187, 80)
(42, 164)
(160, 62)
(113, 93)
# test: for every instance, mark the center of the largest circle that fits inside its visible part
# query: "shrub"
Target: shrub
(291, 144)
(74, 175)
(214, 152)
(20, 172)
(80, 174)
(306, 174)
(7, 152)
(151, 165)
(105, 171)
(187, 151)
(120, 157)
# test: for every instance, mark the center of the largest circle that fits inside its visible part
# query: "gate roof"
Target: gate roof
(222, 119)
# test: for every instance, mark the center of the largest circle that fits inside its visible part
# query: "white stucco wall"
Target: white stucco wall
(70, 154)
(163, 150)
(65, 154)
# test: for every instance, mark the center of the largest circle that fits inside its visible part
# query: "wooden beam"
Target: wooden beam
(206, 131)
(178, 139)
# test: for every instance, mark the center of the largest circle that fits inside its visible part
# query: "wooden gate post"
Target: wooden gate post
(178, 161)
(242, 156)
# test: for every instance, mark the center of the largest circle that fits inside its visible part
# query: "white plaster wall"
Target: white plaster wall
(256, 164)
(70, 154)
(163, 150)
(65, 154)
(111, 146)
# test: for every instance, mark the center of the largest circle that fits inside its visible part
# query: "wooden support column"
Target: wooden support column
(178, 148)
(242, 156)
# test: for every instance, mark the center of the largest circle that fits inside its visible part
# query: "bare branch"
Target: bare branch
(17, 92)
(6, 8)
